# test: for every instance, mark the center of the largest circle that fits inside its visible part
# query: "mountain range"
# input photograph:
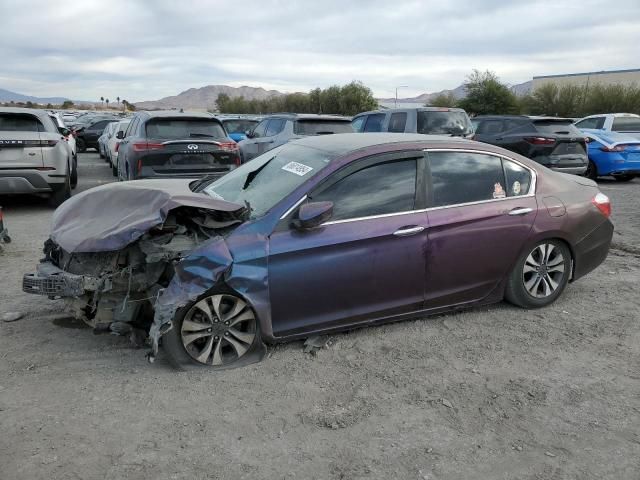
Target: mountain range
(204, 98)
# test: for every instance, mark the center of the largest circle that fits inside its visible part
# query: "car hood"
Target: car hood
(110, 217)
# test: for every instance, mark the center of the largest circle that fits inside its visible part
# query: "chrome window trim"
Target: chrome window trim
(295, 205)
(530, 193)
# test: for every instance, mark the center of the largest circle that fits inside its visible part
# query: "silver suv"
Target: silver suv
(34, 157)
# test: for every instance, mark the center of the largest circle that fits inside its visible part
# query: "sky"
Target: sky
(145, 50)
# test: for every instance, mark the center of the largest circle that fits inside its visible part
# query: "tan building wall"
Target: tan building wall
(624, 77)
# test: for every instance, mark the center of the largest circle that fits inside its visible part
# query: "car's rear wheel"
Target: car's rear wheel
(623, 178)
(81, 145)
(592, 171)
(540, 275)
(219, 330)
(61, 192)
(74, 173)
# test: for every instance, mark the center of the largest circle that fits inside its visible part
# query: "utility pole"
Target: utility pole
(399, 86)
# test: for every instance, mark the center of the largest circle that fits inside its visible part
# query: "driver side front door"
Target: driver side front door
(367, 263)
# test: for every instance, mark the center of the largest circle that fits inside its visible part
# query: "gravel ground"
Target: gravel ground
(492, 393)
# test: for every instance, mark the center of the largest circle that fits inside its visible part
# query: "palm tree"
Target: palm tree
(102, 100)
(106, 100)
(118, 99)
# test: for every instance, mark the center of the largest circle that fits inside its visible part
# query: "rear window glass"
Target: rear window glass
(443, 123)
(557, 128)
(626, 124)
(179, 128)
(239, 126)
(20, 122)
(322, 127)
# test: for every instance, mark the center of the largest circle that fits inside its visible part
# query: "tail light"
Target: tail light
(40, 143)
(139, 166)
(617, 148)
(142, 147)
(602, 203)
(540, 140)
(229, 146)
(117, 147)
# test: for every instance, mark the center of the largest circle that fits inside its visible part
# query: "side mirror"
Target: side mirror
(311, 215)
(249, 134)
(120, 135)
(64, 131)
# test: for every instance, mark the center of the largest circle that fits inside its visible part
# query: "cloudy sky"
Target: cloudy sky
(144, 50)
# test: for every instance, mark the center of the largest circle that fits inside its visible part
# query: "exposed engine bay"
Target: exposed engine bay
(115, 291)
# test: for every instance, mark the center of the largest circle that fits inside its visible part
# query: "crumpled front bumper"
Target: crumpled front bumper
(51, 281)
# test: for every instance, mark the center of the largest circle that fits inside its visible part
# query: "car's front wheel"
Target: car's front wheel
(540, 275)
(220, 330)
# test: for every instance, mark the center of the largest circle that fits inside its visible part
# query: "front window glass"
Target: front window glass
(269, 178)
(433, 122)
(462, 177)
(181, 128)
(397, 122)
(275, 126)
(376, 190)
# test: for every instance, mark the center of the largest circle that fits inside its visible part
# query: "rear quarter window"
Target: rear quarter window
(626, 124)
(20, 122)
(321, 127)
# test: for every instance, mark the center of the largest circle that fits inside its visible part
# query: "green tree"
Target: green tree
(443, 100)
(485, 94)
(355, 98)
(67, 104)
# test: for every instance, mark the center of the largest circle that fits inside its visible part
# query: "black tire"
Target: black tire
(100, 152)
(623, 178)
(592, 171)
(524, 277)
(214, 342)
(114, 169)
(73, 180)
(81, 145)
(61, 192)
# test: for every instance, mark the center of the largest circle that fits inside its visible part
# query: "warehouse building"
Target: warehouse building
(612, 77)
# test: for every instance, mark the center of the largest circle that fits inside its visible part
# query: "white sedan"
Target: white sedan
(112, 144)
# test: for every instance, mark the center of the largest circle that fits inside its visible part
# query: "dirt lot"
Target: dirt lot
(495, 393)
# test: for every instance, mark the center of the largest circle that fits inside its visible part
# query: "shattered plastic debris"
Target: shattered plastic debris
(315, 343)
(12, 316)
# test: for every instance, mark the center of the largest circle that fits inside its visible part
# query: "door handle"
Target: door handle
(406, 231)
(520, 211)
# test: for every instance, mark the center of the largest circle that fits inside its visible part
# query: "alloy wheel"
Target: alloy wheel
(218, 330)
(543, 270)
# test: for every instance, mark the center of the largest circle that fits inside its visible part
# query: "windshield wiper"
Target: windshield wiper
(204, 180)
(195, 134)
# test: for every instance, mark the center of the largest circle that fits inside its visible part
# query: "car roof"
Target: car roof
(177, 114)
(33, 111)
(310, 116)
(342, 143)
(417, 109)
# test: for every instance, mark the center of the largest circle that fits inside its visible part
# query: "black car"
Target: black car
(175, 144)
(87, 136)
(550, 141)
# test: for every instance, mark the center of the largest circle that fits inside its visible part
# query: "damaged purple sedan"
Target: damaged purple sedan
(320, 235)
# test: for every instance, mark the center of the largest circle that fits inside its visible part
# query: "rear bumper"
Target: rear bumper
(592, 250)
(27, 181)
(571, 170)
(575, 164)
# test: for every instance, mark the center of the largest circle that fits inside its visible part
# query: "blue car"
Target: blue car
(612, 153)
(237, 127)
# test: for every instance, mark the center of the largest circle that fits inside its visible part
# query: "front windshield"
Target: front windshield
(267, 179)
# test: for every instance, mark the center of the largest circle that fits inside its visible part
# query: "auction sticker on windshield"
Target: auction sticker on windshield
(297, 168)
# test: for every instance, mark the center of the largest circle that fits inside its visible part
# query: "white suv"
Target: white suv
(612, 122)
(34, 156)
